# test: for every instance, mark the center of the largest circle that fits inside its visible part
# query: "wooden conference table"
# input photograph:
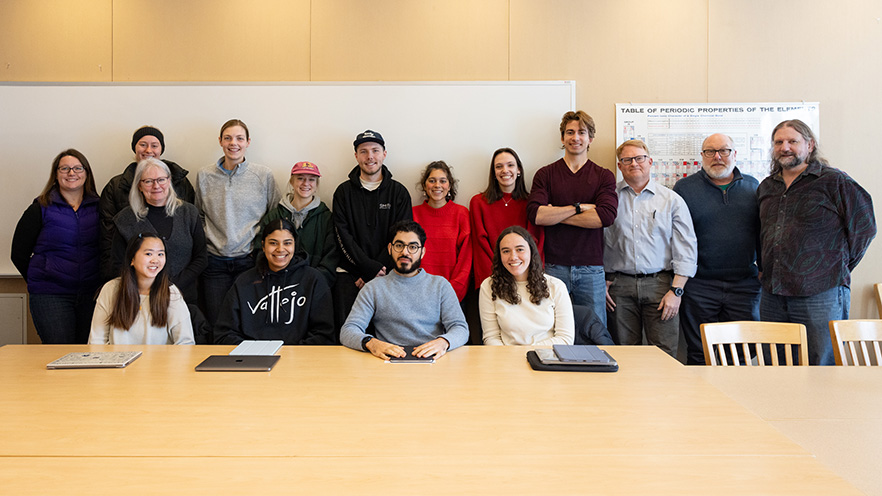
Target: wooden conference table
(834, 413)
(329, 420)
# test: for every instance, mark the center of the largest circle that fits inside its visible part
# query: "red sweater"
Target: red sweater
(488, 221)
(448, 251)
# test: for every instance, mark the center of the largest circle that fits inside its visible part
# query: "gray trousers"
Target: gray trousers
(637, 300)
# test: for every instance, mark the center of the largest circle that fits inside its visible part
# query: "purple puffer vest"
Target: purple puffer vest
(65, 259)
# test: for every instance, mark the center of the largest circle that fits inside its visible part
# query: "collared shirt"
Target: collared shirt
(815, 232)
(652, 232)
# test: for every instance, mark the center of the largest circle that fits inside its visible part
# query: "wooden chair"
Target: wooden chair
(878, 287)
(856, 342)
(718, 338)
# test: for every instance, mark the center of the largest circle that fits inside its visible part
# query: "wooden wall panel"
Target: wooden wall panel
(640, 51)
(211, 40)
(55, 40)
(427, 40)
(829, 52)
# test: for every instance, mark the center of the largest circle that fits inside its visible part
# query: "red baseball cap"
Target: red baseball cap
(306, 168)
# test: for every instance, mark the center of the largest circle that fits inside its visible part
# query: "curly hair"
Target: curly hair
(446, 169)
(503, 284)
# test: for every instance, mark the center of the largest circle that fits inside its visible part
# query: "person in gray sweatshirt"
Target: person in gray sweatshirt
(233, 196)
(408, 307)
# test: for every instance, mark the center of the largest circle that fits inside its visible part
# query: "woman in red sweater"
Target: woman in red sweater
(448, 249)
(502, 204)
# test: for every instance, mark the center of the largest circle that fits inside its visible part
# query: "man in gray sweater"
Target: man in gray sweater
(409, 307)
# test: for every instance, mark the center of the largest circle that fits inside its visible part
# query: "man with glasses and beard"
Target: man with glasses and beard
(725, 214)
(816, 223)
(408, 307)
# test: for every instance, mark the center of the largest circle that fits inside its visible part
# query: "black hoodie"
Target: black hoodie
(362, 220)
(293, 304)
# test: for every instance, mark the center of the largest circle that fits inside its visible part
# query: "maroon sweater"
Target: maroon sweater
(556, 185)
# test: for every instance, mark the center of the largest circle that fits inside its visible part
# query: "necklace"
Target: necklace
(506, 202)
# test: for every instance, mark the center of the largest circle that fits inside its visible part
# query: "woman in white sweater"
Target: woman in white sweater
(519, 303)
(141, 306)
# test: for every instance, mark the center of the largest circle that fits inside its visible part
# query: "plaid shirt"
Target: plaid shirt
(815, 232)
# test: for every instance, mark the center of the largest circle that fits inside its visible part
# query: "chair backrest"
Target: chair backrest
(878, 287)
(722, 337)
(856, 342)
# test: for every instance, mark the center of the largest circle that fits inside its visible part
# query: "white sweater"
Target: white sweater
(549, 322)
(178, 331)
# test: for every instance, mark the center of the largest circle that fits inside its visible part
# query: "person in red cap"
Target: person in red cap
(311, 218)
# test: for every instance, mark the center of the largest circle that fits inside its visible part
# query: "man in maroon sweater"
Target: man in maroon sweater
(574, 199)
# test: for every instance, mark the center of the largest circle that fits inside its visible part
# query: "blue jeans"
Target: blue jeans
(709, 300)
(815, 312)
(62, 319)
(217, 279)
(585, 283)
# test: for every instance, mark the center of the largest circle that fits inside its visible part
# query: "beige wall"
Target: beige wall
(641, 51)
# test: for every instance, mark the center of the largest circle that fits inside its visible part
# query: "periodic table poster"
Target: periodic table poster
(674, 132)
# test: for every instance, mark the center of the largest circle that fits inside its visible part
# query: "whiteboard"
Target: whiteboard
(459, 122)
(674, 132)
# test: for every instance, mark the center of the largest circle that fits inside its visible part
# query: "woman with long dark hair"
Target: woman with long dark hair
(142, 306)
(281, 298)
(502, 204)
(519, 303)
(55, 248)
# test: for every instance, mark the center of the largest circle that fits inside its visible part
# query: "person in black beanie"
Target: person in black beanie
(147, 141)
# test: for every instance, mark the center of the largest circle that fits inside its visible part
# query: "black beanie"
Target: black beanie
(151, 131)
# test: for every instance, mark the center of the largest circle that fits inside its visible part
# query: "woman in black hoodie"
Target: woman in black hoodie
(281, 298)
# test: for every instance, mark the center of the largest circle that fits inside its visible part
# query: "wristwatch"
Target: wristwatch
(678, 292)
(367, 338)
(578, 208)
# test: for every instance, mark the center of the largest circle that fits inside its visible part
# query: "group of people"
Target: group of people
(233, 259)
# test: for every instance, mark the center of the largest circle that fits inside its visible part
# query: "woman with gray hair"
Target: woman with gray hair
(154, 207)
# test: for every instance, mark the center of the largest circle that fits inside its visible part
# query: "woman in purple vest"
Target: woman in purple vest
(55, 248)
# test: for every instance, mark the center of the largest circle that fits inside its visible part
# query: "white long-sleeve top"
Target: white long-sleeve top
(178, 331)
(549, 322)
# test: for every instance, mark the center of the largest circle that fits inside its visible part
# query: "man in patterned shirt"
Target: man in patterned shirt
(816, 223)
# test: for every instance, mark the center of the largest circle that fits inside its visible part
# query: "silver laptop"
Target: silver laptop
(94, 360)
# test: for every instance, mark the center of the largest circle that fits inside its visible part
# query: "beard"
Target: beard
(715, 173)
(414, 266)
(786, 162)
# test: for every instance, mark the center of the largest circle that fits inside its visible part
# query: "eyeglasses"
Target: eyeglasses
(725, 152)
(159, 180)
(639, 159)
(77, 169)
(412, 248)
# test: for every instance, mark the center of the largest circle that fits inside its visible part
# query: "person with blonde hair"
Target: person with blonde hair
(154, 207)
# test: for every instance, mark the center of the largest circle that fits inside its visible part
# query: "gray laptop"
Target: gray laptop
(238, 363)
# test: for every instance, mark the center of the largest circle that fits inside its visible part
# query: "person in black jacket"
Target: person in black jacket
(282, 298)
(146, 142)
(365, 207)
